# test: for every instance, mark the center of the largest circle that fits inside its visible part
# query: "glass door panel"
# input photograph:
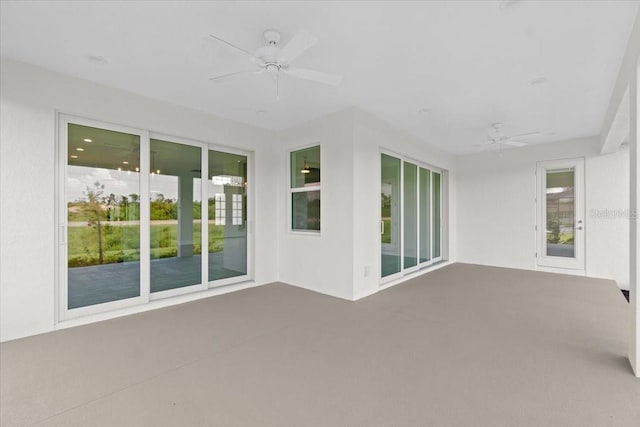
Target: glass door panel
(103, 216)
(410, 215)
(227, 207)
(175, 200)
(560, 212)
(425, 215)
(437, 191)
(390, 215)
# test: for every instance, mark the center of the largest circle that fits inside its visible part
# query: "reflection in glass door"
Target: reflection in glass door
(410, 223)
(102, 216)
(437, 237)
(175, 207)
(425, 215)
(390, 215)
(560, 212)
(227, 202)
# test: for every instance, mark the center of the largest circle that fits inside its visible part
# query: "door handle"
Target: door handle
(381, 227)
(579, 228)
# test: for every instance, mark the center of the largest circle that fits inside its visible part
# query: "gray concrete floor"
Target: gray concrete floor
(461, 346)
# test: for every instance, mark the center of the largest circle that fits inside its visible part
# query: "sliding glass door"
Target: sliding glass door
(102, 204)
(410, 216)
(437, 212)
(133, 225)
(174, 207)
(425, 215)
(390, 215)
(227, 194)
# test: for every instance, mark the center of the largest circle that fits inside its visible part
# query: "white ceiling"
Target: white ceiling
(469, 63)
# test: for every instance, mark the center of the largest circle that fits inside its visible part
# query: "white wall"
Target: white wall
(320, 262)
(496, 211)
(334, 262)
(29, 100)
(370, 136)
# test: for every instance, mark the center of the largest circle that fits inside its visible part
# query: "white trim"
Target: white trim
(250, 216)
(145, 218)
(204, 217)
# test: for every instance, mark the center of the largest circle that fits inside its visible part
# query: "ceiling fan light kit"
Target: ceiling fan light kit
(275, 59)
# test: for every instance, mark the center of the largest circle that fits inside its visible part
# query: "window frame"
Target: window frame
(291, 190)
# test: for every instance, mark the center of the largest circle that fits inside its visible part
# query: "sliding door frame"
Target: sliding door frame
(61, 219)
(204, 258)
(250, 215)
(400, 241)
(443, 187)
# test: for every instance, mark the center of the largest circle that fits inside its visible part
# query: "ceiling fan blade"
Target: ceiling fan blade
(302, 41)
(315, 76)
(521, 134)
(230, 75)
(514, 143)
(239, 49)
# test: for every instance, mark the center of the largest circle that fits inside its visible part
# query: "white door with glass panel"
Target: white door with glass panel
(560, 214)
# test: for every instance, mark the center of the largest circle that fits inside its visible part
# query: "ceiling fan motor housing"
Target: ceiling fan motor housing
(269, 52)
(272, 37)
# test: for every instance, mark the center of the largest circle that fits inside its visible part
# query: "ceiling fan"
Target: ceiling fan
(496, 139)
(275, 59)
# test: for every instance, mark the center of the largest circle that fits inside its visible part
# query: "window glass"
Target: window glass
(560, 194)
(437, 191)
(227, 207)
(425, 215)
(103, 216)
(305, 208)
(390, 224)
(305, 189)
(410, 215)
(175, 209)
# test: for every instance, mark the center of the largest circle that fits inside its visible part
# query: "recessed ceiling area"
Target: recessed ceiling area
(442, 71)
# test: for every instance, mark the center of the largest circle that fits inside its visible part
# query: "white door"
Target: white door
(560, 214)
